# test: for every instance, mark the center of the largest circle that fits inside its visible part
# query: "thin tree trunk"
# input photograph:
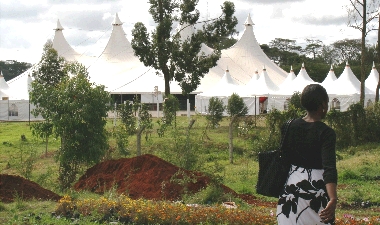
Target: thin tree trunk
(378, 54)
(46, 146)
(138, 140)
(231, 136)
(362, 67)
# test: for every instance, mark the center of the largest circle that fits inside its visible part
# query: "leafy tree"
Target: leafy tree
(329, 54)
(76, 109)
(170, 108)
(181, 60)
(348, 49)
(48, 73)
(132, 125)
(235, 108)
(13, 68)
(215, 111)
(314, 47)
(360, 15)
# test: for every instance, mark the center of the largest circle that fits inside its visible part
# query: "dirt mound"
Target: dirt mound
(15, 186)
(147, 177)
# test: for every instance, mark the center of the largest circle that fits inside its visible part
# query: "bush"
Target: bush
(215, 111)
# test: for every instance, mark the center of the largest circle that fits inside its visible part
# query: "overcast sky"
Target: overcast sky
(25, 25)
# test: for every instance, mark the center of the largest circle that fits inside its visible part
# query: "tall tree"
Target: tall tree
(378, 55)
(75, 108)
(348, 49)
(360, 15)
(13, 68)
(181, 60)
(314, 47)
(235, 108)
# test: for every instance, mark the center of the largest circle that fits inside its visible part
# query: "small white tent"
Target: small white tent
(372, 79)
(223, 90)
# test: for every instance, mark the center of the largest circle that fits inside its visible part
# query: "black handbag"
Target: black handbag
(273, 169)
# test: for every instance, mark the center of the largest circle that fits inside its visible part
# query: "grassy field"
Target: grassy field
(358, 167)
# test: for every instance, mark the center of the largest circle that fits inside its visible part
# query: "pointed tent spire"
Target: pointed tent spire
(373, 65)
(303, 65)
(291, 68)
(331, 68)
(116, 21)
(264, 69)
(59, 26)
(248, 21)
(227, 70)
(347, 65)
(1, 73)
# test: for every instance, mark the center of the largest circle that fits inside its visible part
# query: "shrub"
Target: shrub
(215, 111)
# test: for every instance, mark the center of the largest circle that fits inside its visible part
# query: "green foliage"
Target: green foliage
(295, 101)
(127, 117)
(215, 111)
(24, 159)
(236, 106)
(13, 68)
(171, 106)
(355, 126)
(179, 59)
(75, 108)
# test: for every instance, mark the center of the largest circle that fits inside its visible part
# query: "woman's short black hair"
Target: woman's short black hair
(313, 96)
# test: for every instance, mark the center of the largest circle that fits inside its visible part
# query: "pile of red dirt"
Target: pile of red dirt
(12, 187)
(147, 177)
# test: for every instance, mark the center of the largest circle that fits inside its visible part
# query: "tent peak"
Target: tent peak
(248, 21)
(116, 21)
(303, 65)
(331, 68)
(347, 65)
(264, 69)
(373, 65)
(59, 26)
(291, 68)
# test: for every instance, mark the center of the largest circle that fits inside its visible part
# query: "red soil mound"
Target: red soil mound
(12, 186)
(147, 177)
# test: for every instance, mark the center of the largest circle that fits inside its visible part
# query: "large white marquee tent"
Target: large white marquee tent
(121, 72)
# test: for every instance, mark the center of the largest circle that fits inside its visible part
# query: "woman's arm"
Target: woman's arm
(328, 214)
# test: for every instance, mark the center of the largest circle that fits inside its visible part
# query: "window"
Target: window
(13, 110)
(335, 104)
(369, 103)
(286, 104)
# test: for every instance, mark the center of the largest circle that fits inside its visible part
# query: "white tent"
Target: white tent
(262, 87)
(346, 84)
(291, 76)
(223, 90)
(4, 88)
(297, 85)
(372, 79)
(330, 78)
(243, 59)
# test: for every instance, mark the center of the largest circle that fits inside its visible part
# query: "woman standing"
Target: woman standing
(309, 195)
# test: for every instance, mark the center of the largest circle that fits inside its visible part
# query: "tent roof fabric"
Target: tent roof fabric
(346, 84)
(372, 79)
(226, 86)
(62, 47)
(263, 86)
(291, 76)
(298, 84)
(243, 59)
(330, 77)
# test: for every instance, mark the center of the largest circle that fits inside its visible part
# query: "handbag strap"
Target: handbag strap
(284, 134)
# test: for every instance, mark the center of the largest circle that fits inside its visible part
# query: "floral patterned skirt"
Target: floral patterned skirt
(303, 197)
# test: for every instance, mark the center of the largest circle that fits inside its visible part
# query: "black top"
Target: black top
(311, 145)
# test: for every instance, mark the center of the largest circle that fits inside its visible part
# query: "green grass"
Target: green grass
(358, 167)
